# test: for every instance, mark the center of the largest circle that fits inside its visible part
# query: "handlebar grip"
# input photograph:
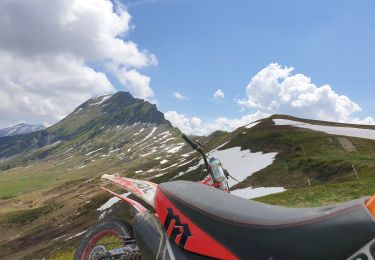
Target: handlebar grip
(189, 141)
(226, 173)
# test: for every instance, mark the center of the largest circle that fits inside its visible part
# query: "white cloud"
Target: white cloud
(45, 49)
(84, 28)
(218, 94)
(275, 90)
(179, 120)
(195, 126)
(134, 82)
(365, 121)
(196, 121)
(46, 89)
(179, 96)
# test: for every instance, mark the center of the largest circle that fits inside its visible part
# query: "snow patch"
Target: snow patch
(112, 202)
(187, 162)
(52, 145)
(94, 151)
(89, 180)
(148, 136)
(187, 154)
(176, 148)
(77, 111)
(163, 161)
(68, 150)
(158, 175)
(165, 133)
(194, 167)
(57, 238)
(14, 237)
(76, 235)
(140, 131)
(146, 154)
(242, 164)
(251, 193)
(167, 140)
(102, 99)
(251, 125)
(334, 130)
(173, 165)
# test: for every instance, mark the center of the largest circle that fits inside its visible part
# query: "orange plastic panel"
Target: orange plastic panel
(371, 205)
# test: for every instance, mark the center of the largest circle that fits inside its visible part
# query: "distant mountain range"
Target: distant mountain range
(49, 179)
(20, 129)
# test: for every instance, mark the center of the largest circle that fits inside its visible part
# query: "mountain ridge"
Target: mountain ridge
(20, 129)
(92, 116)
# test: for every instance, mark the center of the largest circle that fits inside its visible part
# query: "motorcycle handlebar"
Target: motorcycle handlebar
(193, 144)
(196, 147)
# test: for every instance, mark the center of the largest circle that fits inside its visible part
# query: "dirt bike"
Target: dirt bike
(202, 220)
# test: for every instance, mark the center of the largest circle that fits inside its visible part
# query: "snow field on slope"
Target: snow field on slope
(251, 125)
(175, 148)
(251, 193)
(333, 130)
(100, 100)
(242, 164)
(148, 136)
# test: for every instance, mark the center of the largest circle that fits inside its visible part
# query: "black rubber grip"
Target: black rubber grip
(189, 141)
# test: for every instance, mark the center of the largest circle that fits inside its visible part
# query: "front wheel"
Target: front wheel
(110, 239)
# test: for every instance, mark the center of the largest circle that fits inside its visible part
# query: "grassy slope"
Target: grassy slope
(41, 194)
(325, 194)
(45, 192)
(68, 161)
(304, 154)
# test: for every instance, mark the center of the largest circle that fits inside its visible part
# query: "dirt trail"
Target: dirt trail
(347, 144)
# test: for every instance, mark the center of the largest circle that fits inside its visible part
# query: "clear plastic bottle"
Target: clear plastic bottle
(217, 169)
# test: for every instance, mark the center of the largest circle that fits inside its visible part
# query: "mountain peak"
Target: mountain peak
(92, 118)
(120, 108)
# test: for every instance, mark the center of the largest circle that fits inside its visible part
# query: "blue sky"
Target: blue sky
(312, 59)
(205, 45)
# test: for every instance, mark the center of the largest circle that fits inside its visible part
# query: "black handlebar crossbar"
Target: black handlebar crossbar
(193, 144)
(196, 147)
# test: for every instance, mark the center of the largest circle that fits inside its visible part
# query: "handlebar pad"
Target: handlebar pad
(189, 141)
